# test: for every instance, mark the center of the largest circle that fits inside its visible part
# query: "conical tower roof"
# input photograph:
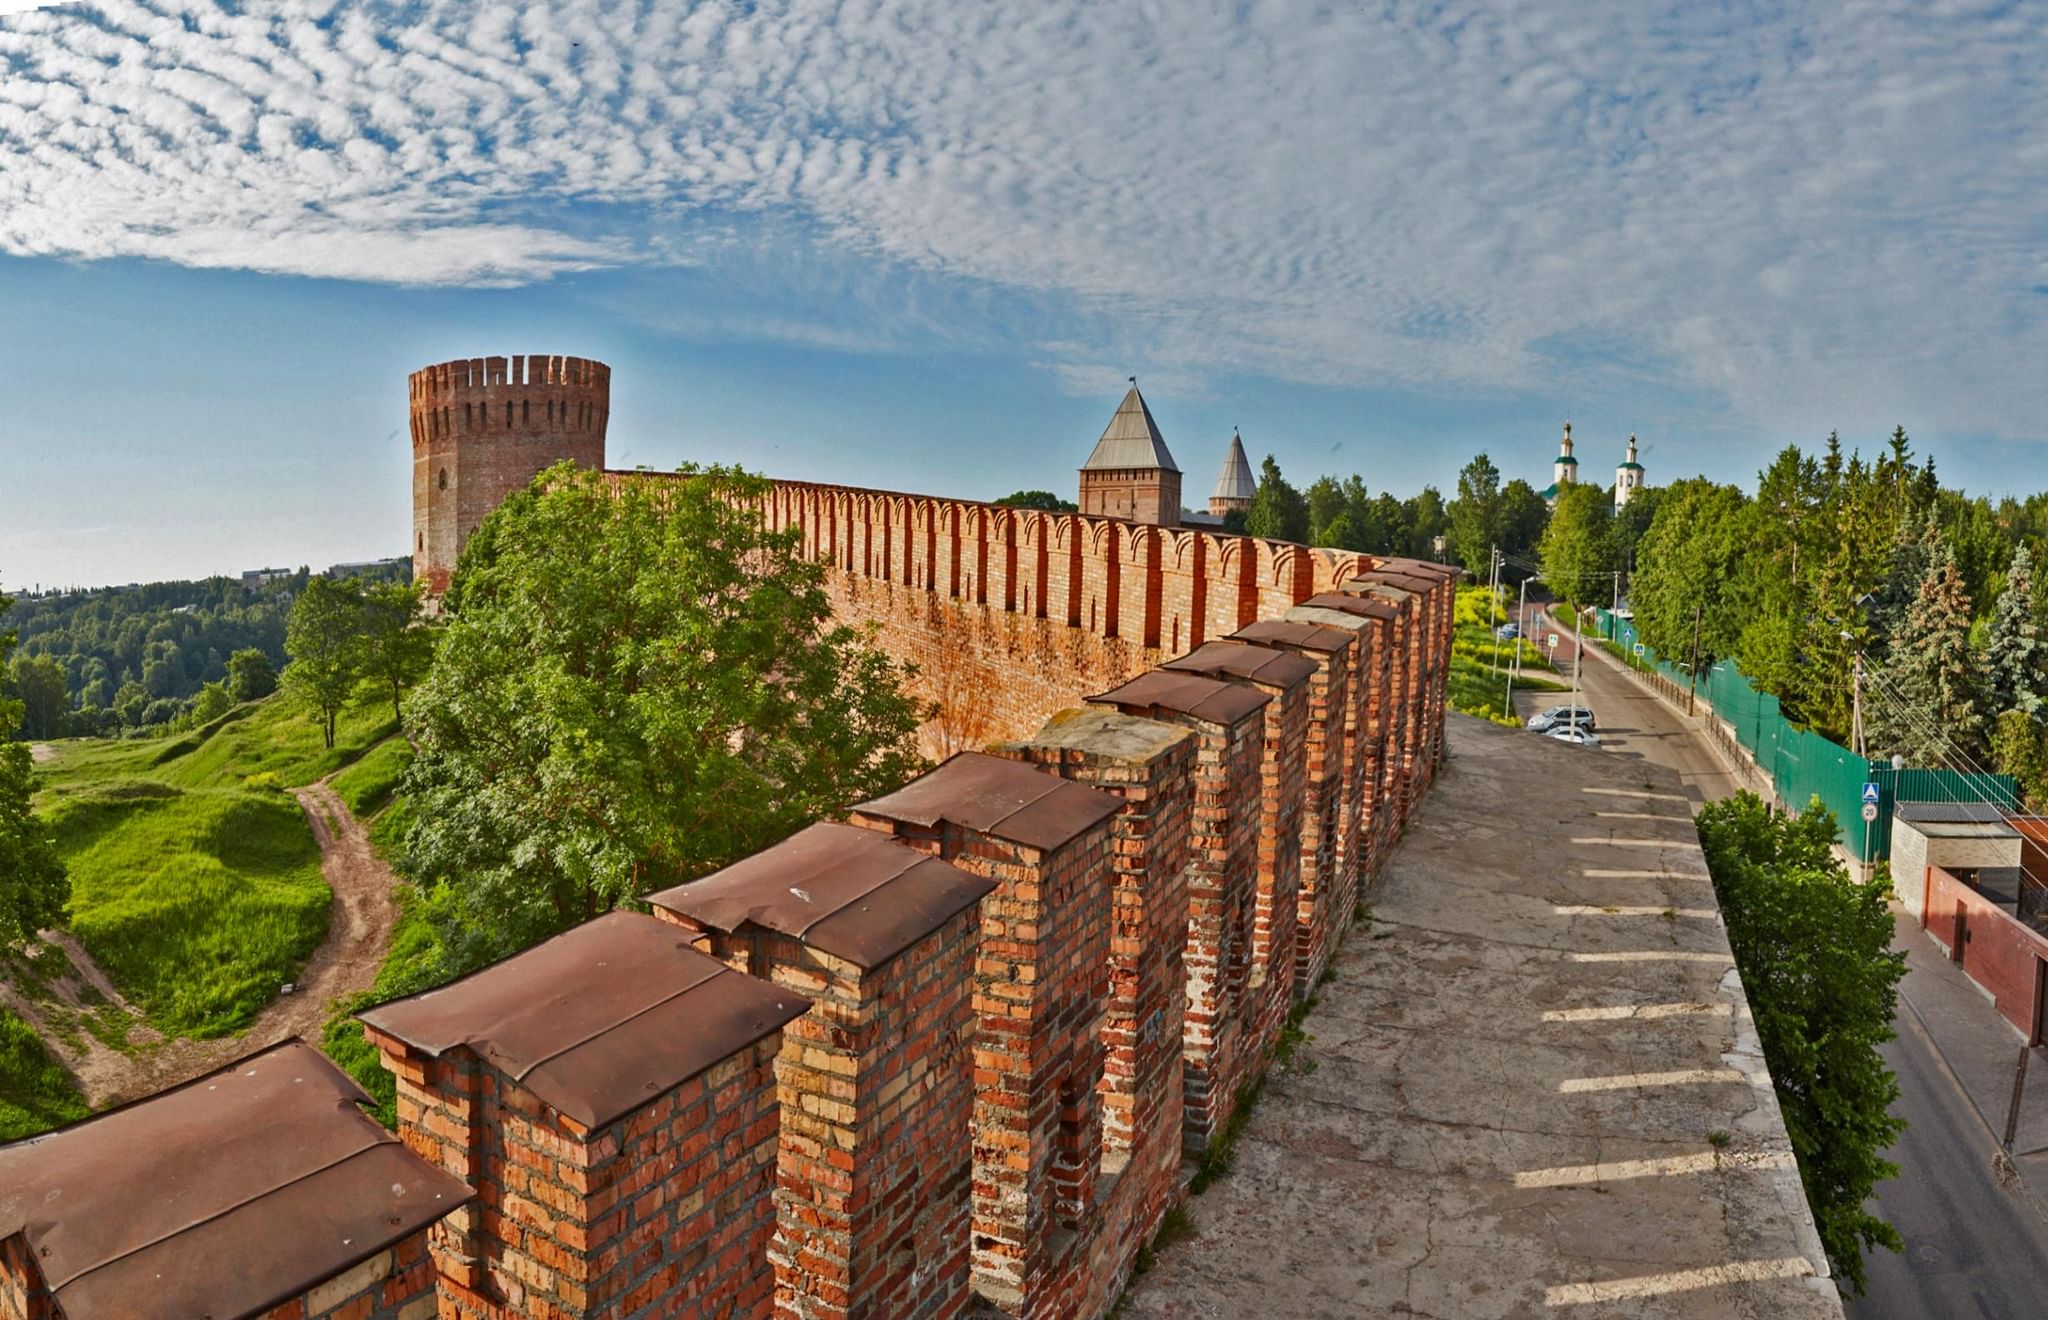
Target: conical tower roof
(1235, 481)
(1131, 440)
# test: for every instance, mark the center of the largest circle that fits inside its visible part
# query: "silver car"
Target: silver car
(1579, 737)
(1562, 717)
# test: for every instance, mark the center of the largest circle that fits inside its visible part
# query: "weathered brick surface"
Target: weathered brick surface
(1222, 883)
(874, 1159)
(394, 1284)
(1040, 993)
(485, 427)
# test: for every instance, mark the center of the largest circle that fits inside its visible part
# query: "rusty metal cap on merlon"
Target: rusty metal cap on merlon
(1184, 694)
(853, 893)
(600, 1020)
(228, 1195)
(1420, 586)
(1255, 664)
(1360, 606)
(1425, 568)
(1007, 799)
(1289, 632)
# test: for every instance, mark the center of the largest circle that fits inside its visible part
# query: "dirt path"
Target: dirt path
(360, 920)
(41, 752)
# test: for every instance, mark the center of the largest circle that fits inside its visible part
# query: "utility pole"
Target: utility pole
(1694, 668)
(1493, 597)
(1614, 614)
(1578, 658)
(1856, 706)
(1507, 701)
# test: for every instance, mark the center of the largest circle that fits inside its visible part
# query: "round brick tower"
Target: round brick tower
(481, 429)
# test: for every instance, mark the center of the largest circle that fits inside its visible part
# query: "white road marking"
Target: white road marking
(1578, 1175)
(1640, 843)
(1635, 793)
(1587, 910)
(1635, 1081)
(1632, 1012)
(1601, 873)
(1649, 955)
(1657, 1285)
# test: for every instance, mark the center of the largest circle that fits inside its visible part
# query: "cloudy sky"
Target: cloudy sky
(919, 244)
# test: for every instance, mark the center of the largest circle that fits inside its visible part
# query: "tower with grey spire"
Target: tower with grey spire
(1234, 485)
(1131, 474)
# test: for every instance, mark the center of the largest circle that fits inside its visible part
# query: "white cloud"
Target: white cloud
(1811, 214)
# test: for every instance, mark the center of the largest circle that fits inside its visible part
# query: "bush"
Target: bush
(1814, 950)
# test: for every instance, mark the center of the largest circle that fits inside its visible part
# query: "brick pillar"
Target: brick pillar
(1284, 679)
(1040, 983)
(1368, 812)
(1150, 766)
(611, 1096)
(1324, 901)
(1229, 724)
(875, 1158)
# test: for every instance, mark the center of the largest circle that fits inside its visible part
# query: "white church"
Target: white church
(1628, 474)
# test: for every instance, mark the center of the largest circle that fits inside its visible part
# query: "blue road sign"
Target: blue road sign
(1870, 794)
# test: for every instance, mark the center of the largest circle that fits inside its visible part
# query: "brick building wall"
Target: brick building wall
(1998, 953)
(483, 428)
(397, 1283)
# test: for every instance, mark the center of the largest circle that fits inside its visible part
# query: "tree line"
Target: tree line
(1836, 563)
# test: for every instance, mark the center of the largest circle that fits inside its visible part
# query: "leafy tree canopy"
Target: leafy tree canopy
(324, 640)
(33, 884)
(1039, 499)
(1578, 546)
(1814, 949)
(639, 684)
(1279, 512)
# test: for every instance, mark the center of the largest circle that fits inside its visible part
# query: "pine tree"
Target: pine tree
(1932, 696)
(1903, 575)
(2016, 658)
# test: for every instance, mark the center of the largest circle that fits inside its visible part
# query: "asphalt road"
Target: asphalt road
(1973, 1249)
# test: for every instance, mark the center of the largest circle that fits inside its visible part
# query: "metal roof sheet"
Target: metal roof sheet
(1289, 632)
(1185, 694)
(1255, 664)
(1005, 798)
(856, 894)
(1426, 568)
(222, 1197)
(1383, 589)
(599, 1020)
(1234, 482)
(1361, 606)
(1131, 440)
(1383, 577)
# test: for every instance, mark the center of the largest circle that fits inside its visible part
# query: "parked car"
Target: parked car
(1579, 737)
(1563, 717)
(1507, 632)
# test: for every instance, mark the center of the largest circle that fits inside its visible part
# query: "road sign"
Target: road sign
(1639, 648)
(1551, 641)
(1870, 796)
(1869, 812)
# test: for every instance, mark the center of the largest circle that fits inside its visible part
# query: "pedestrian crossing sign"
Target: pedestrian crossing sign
(1870, 794)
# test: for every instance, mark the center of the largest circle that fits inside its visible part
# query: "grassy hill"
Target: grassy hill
(195, 879)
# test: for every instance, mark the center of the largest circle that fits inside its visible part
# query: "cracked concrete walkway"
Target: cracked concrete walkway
(1533, 1089)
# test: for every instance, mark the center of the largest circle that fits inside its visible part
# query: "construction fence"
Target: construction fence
(1801, 765)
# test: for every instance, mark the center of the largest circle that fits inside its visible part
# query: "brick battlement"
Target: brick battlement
(951, 1056)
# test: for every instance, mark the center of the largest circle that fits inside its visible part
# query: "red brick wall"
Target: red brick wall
(874, 1154)
(485, 427)
(666, 1210)
(2000, 954)
(395, 1284)
(1013, 614)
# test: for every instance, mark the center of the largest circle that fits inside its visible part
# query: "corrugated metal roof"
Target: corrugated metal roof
(1363, 606)
(600, 1020)
(222, 1197)
(1131, 440)
(856, 894)
(1287, 632)
(1005, 798)
(1184, 694)
(1256, 664)
(1235, 481)
(1382, 577)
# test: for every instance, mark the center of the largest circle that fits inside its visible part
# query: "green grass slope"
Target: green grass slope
(35, 1093)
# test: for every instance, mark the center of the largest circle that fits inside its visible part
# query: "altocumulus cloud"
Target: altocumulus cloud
(1804, 212)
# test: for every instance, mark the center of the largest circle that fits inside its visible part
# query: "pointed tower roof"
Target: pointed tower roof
(1132, 439)
(1630, 464)
(1235, 481)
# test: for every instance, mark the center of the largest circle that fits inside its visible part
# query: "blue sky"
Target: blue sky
(921, 244)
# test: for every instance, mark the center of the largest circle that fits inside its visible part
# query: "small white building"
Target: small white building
(1967, 841)
(1628, 475)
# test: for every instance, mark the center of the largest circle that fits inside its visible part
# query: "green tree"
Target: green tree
(1338, 534)
(1523, 516)
(2019, 747)
(1929, 692)
(397, 647)
(44, 701)
(1477, 522)
(130, 702)
(638, 684)
(33, 885)
(2015, 658)
(1278, 512)
(1325, 506)
(212, 702)
(1684, 565)
(1814, 950)
(1424, 514)
(323, 637)
(1039, 499)
(251, 677)
(1577, 549)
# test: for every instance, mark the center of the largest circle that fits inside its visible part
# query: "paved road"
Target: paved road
(1973, 1249)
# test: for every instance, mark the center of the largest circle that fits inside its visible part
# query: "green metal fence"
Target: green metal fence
(1803, 765)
